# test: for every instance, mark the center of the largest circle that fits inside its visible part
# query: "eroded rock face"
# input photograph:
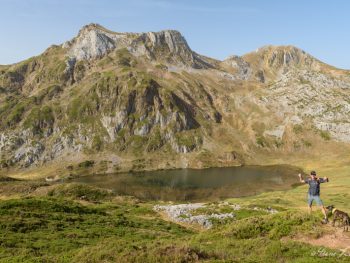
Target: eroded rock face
(281, 57)
(94, 41)
(153, 93)
(167, 114)
(243, 69)
(24, 150)
(309, 94)
(171, 38)
(91, 42)
(170, 42)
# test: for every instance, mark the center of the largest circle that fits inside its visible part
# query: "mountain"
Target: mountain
(135, 101)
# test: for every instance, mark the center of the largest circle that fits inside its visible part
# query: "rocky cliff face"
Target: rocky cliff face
(270, 62)
(91, 42)
(115, 97)
(169, 46)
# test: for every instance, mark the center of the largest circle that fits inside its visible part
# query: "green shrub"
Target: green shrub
(325, 135)
(86, 164)
(15, 115)
(261, 141)
(39, 119)
(188, 138)
(97, 143)
(137, 143)
(307, 143)
(155, 141)
(81, 108)
(298, 129)
(274, 226)
(81, 191)
(124, 58)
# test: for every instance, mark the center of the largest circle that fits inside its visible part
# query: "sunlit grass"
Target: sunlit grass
(78, 223)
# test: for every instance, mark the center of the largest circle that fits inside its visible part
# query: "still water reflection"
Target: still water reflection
(196, 185)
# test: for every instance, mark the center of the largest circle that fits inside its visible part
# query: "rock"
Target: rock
(295, 95)
(28, 154)
(94, 41)
(173, 43)
(176, 100)
(182, 213)
(242, 68)
(91, 42)
(70, 63)
(277, 132)
(143, 130)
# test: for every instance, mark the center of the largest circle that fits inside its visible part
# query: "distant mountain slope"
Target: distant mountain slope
(146, 101)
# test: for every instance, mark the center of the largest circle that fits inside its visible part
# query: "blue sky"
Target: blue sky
(214, 28)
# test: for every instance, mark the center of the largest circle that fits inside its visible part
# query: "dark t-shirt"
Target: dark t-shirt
(314, 185)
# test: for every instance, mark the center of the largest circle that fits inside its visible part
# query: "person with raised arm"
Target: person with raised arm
(314, 192)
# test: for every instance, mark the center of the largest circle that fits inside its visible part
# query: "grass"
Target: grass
(15, 115)
(261, 141)
(86, 164)
(190, 139)
(58, 228)
(325, 135)
(80, 191)
(39, 118)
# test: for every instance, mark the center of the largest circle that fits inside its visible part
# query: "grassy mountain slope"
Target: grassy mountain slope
(135, 101)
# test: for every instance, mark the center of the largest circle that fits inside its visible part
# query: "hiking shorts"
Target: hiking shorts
(311, 198)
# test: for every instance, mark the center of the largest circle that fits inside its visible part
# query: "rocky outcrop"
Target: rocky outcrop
(242, 68)
(185, 213)
(157, 111)
(270, 62)
(148, 93)
(309, 94)
(280, 58)
(182, 214)
(94, 41)
(169, 46)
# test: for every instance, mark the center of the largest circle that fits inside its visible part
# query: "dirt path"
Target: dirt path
(334, 238)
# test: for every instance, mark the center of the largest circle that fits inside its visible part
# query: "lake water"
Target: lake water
(198, 185)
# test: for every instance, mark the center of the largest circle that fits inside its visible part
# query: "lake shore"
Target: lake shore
(41, 213)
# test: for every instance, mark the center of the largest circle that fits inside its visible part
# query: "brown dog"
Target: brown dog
(339, 215)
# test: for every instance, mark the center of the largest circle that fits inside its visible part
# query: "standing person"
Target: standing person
(314, 192)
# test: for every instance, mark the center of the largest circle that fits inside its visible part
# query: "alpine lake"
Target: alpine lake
(197, 185)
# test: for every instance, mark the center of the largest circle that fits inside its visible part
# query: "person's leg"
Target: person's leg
(309, 202)
(324, 212)
(323, 209)
(310, 209)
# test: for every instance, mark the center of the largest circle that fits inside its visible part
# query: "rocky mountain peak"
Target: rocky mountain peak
(167, 46)
(91, 26)
(170, 44)
(173, 39)
(92, 41)
(278, 99)
(278, 57)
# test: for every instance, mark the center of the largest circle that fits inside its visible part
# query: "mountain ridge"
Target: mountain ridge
(120, 98)
(97, 27)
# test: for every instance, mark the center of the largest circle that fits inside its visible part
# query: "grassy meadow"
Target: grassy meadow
(43, 222)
